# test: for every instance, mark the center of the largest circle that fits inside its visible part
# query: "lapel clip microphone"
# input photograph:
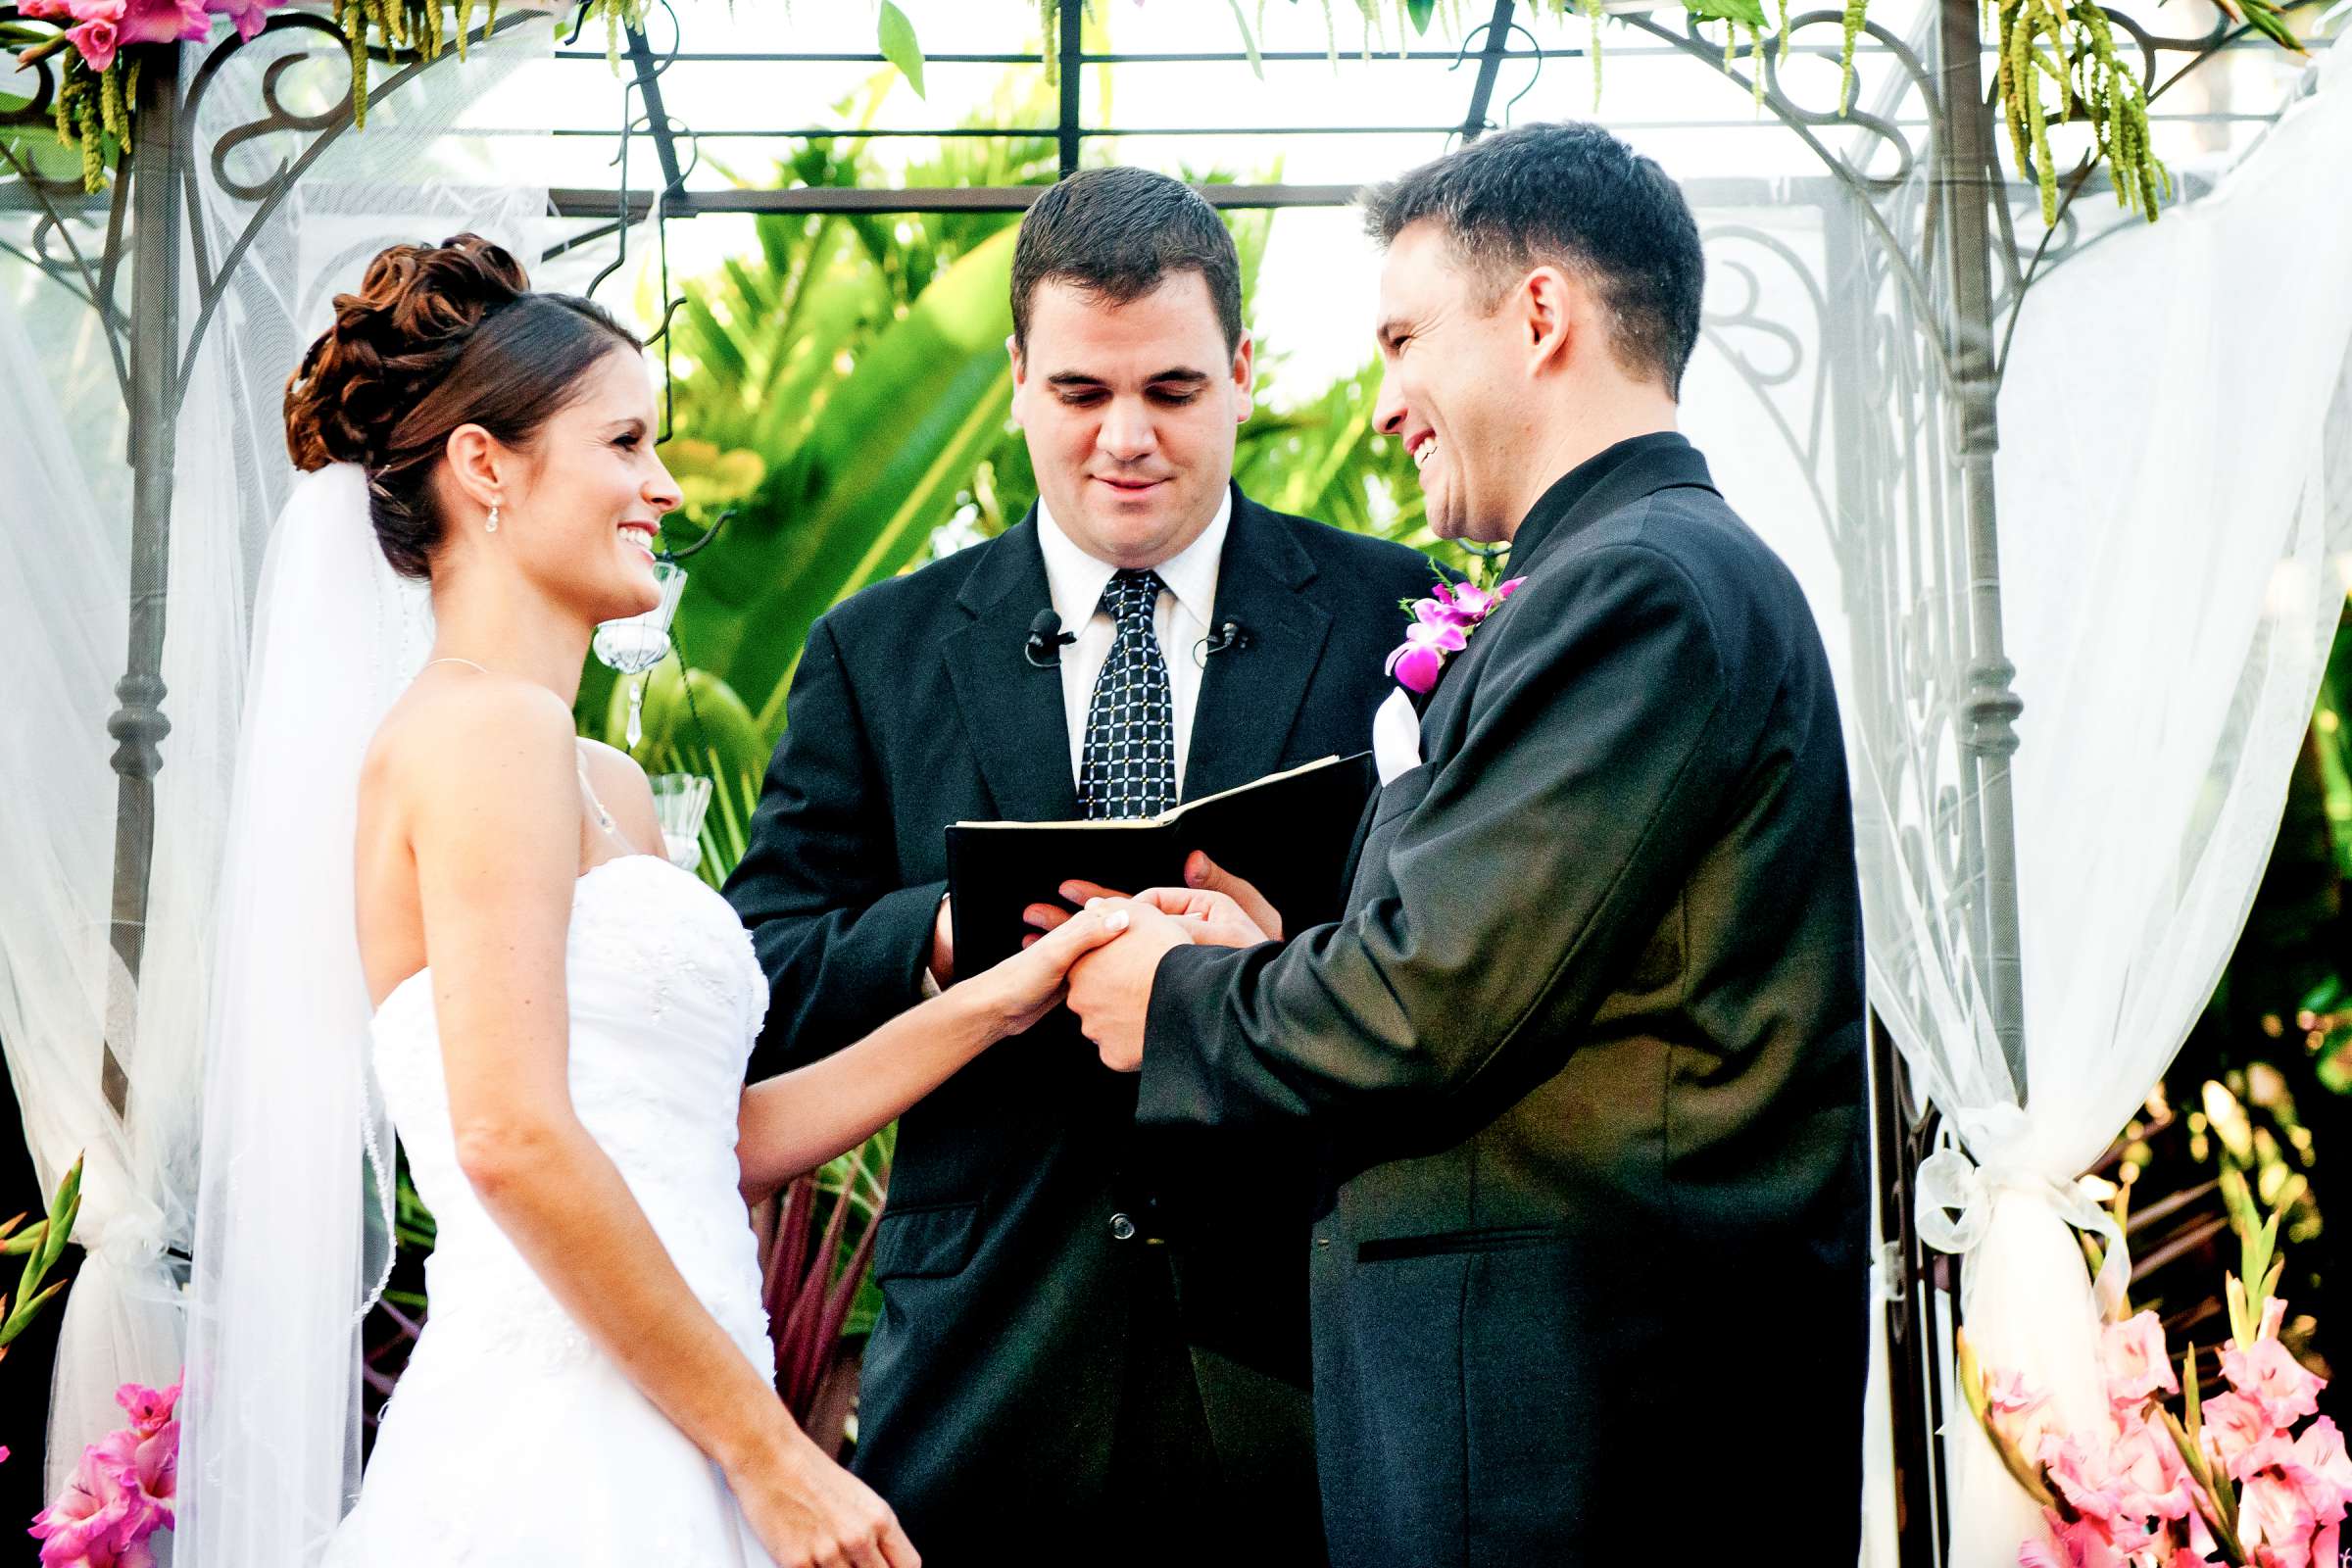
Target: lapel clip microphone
(1044, 646)
(1232, 634)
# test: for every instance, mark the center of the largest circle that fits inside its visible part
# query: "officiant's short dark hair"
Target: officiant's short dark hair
(1117, 233)
(1570, 194)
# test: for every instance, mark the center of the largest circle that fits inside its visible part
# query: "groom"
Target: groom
(1063, 1370)
(1587, 1038)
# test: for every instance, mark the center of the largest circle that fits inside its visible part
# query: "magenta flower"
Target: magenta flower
(2133, 1356)
(1442, 625)
(1418, 662)
(248, 15)
(2269, 1374)
(163, 21)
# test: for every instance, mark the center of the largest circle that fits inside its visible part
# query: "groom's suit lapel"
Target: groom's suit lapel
(1012, 708)
(1250, 697)
(1624, 474)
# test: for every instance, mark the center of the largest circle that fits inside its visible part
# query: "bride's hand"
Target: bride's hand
(809, 1512)
(1030, 984)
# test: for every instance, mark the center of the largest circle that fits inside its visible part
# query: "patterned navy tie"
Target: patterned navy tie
(1128, 767)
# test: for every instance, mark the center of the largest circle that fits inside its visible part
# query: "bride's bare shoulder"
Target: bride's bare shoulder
(502, 736)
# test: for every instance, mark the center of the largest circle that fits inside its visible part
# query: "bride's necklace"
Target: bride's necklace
(452, 658)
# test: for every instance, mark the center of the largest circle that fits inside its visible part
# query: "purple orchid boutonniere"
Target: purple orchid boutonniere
(1442, 625)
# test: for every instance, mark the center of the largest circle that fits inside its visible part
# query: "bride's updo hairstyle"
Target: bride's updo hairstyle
(438, 336)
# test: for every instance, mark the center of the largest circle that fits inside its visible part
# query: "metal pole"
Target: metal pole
(138, 726)
(1490, 64)
(1967, 181)
(1073, 51)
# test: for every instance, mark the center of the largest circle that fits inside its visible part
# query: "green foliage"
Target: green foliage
(42, 1247)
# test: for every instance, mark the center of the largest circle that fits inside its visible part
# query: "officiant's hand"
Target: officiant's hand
(1216, 907)
(1211, 919)
(1110, 988)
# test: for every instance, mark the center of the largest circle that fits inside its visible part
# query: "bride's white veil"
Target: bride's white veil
(291, 1228)
(294, 1212)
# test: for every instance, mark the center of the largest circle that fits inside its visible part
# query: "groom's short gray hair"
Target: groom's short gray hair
(1571, 195)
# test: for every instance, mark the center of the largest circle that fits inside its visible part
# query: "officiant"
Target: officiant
(1075, 1334)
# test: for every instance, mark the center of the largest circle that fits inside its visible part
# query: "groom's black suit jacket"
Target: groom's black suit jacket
(1020, 1342)
(1588, 1041)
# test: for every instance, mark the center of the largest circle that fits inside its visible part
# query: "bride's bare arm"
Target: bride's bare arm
(493, 800)
(797, 1120)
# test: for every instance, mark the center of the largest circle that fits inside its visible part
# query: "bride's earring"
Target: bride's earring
(492, 525)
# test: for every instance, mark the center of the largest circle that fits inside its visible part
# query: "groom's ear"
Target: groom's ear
(1244, 376)
(1551, 310)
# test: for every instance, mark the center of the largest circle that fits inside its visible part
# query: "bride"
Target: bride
(561, 1016)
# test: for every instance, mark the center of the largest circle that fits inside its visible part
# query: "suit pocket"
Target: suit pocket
(927, 1241)
(1494, 1239)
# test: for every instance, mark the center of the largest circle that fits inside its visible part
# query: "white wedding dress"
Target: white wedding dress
(512, 1441)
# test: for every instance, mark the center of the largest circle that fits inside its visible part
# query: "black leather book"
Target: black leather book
(1288, 834)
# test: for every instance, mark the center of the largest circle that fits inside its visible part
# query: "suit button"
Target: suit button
(1122, 1229)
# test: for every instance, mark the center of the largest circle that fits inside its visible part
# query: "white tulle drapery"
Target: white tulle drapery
(2175, 479)
(414, 174)
(2174, 511)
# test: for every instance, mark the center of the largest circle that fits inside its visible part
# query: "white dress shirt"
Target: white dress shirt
(1076, 580)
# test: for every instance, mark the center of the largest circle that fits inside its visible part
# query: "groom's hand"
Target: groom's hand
(1110, 988)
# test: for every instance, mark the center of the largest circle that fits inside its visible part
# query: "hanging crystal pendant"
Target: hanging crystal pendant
(635, 644)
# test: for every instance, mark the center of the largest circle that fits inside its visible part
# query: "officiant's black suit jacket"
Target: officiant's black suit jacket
(992, 1384)
(1588, 1038)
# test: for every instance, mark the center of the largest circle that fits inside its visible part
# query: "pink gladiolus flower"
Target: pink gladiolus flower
(2269, 1374)
(248, 15)
(99, 1522)
(163, 21)
(2094, 1488)
(95, 42)
(2008, 1400)
(42, 10)
(2327, 1471)
(2078, 1545)
(2133, 1356)
(148, 1466)
(148, 1409)
(2273, 1515)
(2150, 1468)
(2233, 1425)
